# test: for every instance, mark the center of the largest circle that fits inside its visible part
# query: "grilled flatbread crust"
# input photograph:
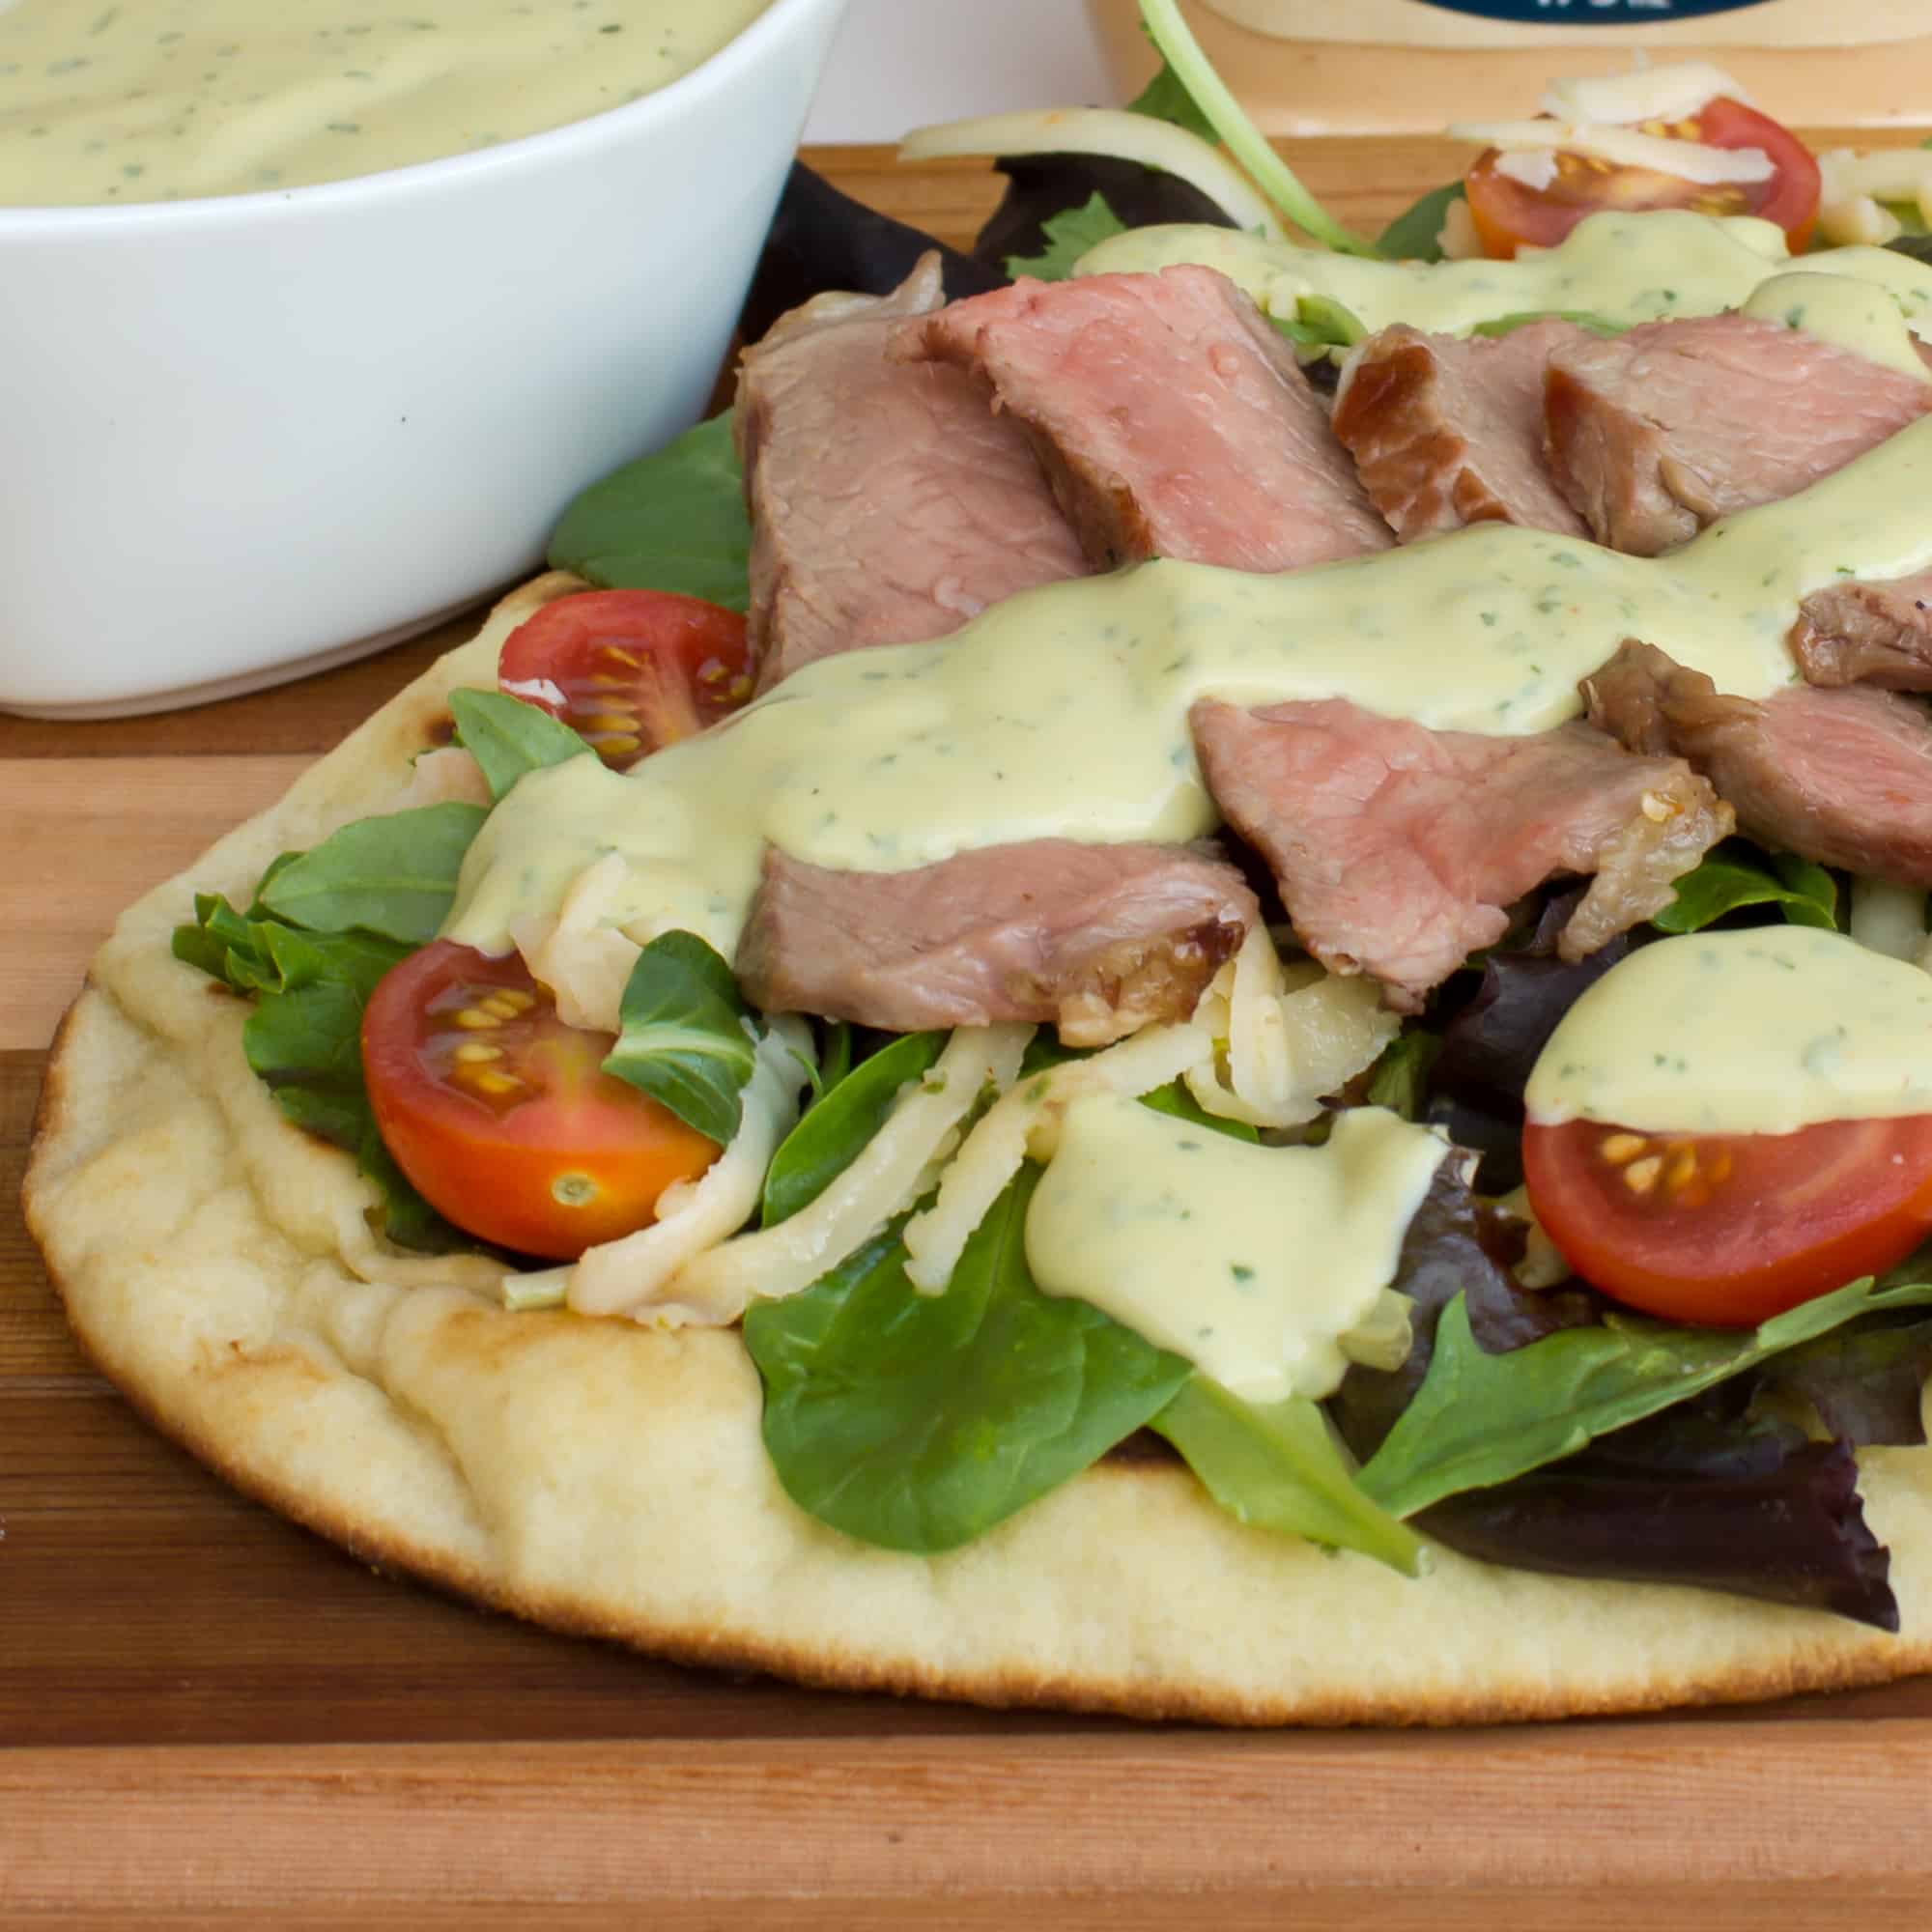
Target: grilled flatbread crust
(605, 1479)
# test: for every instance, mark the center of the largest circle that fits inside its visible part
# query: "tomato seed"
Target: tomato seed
(1641, 1176)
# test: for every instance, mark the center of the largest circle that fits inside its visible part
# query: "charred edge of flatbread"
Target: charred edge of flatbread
(1837, 1661)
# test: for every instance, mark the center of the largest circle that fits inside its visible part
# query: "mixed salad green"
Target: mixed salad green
(918, 1422)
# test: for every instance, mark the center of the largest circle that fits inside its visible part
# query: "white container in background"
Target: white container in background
(1407, 67)
(244, 438)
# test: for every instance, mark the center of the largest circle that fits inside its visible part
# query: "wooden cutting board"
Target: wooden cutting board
(211, 1718)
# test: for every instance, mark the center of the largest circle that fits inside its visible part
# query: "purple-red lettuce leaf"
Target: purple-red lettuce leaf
(1753, 1508)
(822, 240)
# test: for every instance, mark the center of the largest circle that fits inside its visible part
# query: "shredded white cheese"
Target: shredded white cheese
(1672, 92)
(1889, 918)
(642, 1275)
(1624, 148)
(1854, 188)
(1534, 167)
(717, 1287)
(1458, 240)
(1026, 1121)
(1287, 1038)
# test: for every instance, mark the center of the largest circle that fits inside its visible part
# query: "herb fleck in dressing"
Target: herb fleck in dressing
(174, 99)
(1759, 1031)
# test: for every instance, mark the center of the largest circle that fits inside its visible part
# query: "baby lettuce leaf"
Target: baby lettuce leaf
(1068, 237)
(1165, 97)
(508, 738)
(835, 1131)
(918, 1422)
(1040, 188)
(1863, 1384)
(1583, 317)
(685, 1034)
(1412, 237)
(394, 876)
(675, 520)
(1399, 1080)
(834, 1057)
(1278, 1466)
(1691, 1497)
(256, 954)
(1480, 1419)
(1737, 875)
(304, 1039)
(1175, 1100)
(1327, 320)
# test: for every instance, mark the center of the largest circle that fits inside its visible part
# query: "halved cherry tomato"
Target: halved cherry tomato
(1510, 214)
(631, 670)
(1729, 1228)
(500, 1114)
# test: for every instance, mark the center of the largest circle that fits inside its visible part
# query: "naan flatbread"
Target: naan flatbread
(610, 1480)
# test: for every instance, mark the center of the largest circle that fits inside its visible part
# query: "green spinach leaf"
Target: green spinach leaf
(304, 1039)
(833, 1133)
(1174, 1098)
(1411, 236)
(509, 738)
(393, 877)
(685, 1036)
(834, 1057)
(675, 520)
(1068, 237)
(1737, 875)
(1280, 1467)
(1480, 1419)
(917, 1422)
(1583, 317)
(1165, 97)
(1400, 1079)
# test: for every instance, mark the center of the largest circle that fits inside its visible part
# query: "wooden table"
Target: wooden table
(211, 1718)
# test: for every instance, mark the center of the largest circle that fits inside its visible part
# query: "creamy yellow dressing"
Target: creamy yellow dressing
(1855, 315)
(1064, 712)
(165, 100)
(1624, 268)
(1254, 1262)
(1760, 1032)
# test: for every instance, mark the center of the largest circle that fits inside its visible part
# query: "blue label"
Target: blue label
(1590, 12)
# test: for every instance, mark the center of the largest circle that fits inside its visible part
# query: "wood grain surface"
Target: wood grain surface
(211, 1718)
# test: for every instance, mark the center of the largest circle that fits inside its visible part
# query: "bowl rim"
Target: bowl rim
(717, 71)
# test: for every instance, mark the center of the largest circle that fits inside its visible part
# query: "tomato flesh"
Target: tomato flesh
(501, 1116)
(1730, 1229)
(1510, 214)
(630, 670)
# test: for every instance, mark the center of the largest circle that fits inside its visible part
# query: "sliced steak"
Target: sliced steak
(889, 504)
(1397, 849)
(1096, 939)
(1171, 419)
(1843, 776)
(1447, 431)
(1861, 632)
(1658, 431)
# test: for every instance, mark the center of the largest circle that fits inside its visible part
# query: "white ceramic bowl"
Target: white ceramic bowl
(240, 439)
